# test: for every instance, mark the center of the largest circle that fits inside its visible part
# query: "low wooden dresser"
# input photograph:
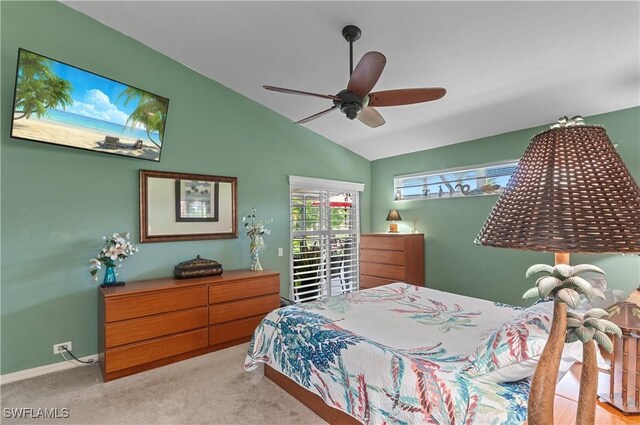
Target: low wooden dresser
(151, 323)
(391, 257)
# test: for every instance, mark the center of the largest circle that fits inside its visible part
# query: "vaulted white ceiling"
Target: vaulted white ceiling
(506, 65)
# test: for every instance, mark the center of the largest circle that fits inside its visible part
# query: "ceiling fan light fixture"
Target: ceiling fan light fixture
(351, 110)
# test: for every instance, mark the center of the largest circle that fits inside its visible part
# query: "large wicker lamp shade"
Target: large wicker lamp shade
(570, 192)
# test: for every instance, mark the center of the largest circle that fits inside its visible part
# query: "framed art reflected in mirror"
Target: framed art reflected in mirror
(183, 207)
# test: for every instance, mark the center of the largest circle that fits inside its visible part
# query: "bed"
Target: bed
(393, 354)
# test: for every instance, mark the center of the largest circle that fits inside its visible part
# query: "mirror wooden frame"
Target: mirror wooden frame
(146, 237)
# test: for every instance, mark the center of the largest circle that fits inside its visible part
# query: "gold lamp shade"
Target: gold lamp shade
(393, 216)
(570, 192)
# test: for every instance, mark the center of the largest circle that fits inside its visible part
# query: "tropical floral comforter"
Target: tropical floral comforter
(391, 354)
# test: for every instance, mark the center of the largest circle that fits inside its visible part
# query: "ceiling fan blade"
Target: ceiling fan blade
(302, 93)
(405, 96)
(371, 117)
(314, 116)
(367, 73)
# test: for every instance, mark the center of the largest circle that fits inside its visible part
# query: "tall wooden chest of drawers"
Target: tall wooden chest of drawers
(151, 323)
(389, 257)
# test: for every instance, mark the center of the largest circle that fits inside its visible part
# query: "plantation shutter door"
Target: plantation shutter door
(325, 228)
(344, 239)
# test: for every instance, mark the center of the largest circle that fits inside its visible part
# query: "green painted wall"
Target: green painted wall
(453, 262)
(57, 202)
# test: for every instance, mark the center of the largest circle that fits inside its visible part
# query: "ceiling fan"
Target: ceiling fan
(357, 100)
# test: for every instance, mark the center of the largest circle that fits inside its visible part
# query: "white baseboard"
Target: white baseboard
(43, 370)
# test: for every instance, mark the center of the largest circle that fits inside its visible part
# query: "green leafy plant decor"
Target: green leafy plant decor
(307, 272)
(564, 286)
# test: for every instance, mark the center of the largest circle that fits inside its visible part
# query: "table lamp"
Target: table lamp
(570, 192)
(393, 216)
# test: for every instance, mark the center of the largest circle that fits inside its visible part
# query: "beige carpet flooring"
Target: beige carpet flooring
(209, 389)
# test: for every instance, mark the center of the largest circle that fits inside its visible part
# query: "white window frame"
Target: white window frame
(481, 170)
(325, 232)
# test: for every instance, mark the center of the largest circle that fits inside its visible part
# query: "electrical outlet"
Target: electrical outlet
(280, 252)
(57, 348)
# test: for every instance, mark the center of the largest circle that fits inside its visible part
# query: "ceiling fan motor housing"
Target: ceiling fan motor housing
(350, 105)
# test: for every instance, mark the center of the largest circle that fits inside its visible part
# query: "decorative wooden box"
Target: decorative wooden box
(198, 267)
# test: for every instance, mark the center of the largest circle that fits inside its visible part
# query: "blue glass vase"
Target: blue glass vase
(109, 275)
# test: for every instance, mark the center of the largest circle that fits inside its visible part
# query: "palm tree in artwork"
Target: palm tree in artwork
(28, 98)
(34, 66)
(58, 93)
(38, 88)
(151, 111)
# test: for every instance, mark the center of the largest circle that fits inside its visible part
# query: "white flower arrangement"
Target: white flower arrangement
(117, 248)
(255, 229)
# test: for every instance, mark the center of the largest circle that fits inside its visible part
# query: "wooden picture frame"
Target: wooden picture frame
(160, 213)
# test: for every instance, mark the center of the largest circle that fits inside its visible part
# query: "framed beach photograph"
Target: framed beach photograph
(61, 104)
(197, 200)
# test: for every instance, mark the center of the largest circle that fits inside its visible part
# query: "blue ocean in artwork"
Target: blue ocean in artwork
(108, 128)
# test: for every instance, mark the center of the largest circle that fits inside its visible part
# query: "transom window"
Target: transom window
(487, 179)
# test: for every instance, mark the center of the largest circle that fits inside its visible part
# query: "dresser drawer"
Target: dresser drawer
(392, 243)
(383, 270)
(367, 281)
(241, 290)
(135, 330)
(156, 349)
(383, 257)
(129, 307)
(220, 313)
(233, 330)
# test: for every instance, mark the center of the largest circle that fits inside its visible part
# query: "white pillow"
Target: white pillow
(511, 352)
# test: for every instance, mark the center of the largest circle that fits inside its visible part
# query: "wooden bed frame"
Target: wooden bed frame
(565, 401)
(309, 399)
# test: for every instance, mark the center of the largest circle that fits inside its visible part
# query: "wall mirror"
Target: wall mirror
(185, 207)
